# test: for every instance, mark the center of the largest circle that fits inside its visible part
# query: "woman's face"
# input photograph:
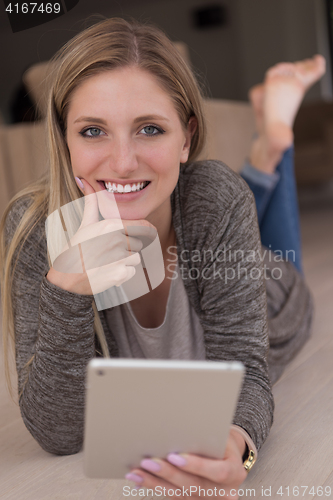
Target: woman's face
(124, 134)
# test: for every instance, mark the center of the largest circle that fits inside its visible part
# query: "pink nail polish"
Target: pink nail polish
(79, 183)
(150, 465)
(176, 459)
(134, 477)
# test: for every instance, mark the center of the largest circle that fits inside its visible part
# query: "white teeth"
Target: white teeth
(112, 187)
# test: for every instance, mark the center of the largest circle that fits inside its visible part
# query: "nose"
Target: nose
(122, 157)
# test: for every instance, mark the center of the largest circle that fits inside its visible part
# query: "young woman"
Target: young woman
(125, 113)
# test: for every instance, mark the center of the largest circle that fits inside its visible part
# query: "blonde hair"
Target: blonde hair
(109, 44)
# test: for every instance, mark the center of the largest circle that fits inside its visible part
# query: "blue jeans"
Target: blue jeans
(277, 207)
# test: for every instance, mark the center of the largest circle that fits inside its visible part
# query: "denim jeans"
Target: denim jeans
(277, 207)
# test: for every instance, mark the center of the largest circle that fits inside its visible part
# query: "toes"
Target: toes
(311, 70)
(281, 69)
(320, 63)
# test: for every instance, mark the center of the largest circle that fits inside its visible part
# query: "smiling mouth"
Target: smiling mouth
(112, 187)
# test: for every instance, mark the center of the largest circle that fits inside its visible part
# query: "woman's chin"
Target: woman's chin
(112, 210)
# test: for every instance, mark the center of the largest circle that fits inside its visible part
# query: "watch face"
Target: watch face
(250, 461)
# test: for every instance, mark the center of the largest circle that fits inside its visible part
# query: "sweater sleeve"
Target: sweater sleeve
(54, 340)
(219, 245)
(234, 312)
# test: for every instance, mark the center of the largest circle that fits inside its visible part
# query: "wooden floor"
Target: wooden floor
(298, 452)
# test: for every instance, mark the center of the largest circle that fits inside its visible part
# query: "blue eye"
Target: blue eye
(94, 132)
(151, 130)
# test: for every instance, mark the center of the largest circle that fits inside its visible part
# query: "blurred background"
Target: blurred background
(231, 42)
(228, 43)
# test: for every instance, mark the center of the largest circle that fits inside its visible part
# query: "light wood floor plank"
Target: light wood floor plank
(299, 450)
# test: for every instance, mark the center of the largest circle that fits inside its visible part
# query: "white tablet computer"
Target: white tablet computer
(148, 408)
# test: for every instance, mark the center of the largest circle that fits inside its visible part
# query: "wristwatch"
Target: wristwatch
(251, 454)
(250, 460)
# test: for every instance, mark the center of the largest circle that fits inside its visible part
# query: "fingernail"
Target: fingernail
(151, 465)
(176, 459)
(79, 183)
(134, 477)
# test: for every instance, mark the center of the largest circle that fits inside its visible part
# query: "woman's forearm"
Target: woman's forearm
(52, 386)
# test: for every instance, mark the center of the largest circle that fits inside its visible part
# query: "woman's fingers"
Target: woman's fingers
(156, 472)
(115, 274)
(147, 480)
(133, 244)
(131, 260)
(178, 485)
(100, 254)
(187, 470)
(190, 475)
(91, 215)
(91, 212)
(226, 471)
(229, 470)
(170, 473)
(140, 228)
(128, 273)
(107, 249)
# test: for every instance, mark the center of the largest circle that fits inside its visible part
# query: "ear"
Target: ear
(190, 130)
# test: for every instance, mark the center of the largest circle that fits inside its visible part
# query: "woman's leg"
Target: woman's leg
(276, 200)
(280, 226)
(270, 169)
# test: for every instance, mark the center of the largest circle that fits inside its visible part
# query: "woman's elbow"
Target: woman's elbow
(54, 439)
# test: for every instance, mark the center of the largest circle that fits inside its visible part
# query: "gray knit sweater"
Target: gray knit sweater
(213, 212)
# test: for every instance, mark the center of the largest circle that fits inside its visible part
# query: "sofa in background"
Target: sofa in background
(23, 156)
(231, 127)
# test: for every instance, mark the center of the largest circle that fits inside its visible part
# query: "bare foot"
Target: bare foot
(275, 105)
(285, 87)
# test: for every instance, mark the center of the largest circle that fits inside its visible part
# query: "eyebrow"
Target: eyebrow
(103, 122)
(90, 119)
(150, 117)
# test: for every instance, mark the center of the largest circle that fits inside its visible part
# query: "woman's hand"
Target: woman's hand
(188, 473)
(101, 254)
